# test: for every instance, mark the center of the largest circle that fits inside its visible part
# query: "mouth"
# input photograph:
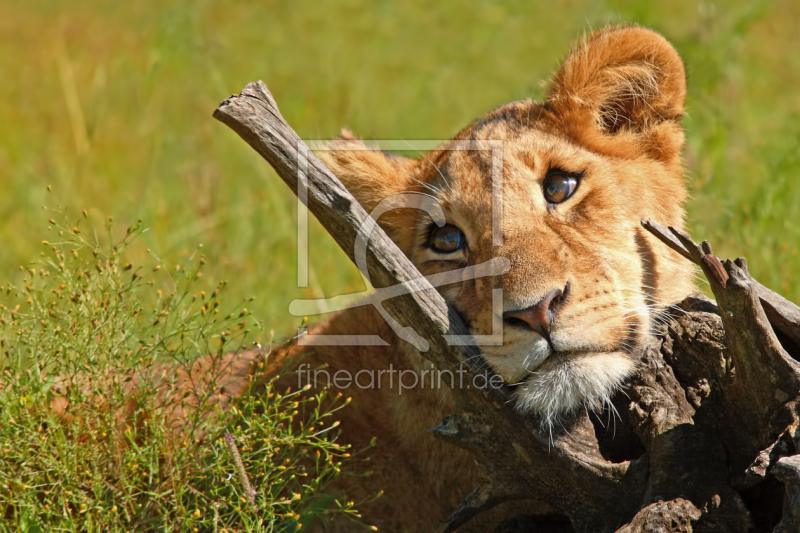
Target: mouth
(516, 361)
(520, 361)
(556, 355)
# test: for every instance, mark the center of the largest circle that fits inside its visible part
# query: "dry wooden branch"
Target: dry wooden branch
(782, 314)
(255, 117)
(761, 389)
(706, 420)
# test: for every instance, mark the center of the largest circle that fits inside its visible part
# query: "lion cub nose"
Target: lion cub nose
(539, 317)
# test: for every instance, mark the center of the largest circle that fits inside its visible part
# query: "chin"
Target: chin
(565, 382)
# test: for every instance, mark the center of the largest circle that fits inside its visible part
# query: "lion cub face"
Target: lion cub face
(578, 173)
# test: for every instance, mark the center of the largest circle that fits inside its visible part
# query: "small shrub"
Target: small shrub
(97, 435)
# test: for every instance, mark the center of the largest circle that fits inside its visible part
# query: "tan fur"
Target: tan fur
(612, 113)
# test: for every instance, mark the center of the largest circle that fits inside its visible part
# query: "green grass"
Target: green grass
(110, 103)
(96, 431)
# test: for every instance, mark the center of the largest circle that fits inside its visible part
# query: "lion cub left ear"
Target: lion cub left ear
(621, 91)
(369, 174)
(373, 176)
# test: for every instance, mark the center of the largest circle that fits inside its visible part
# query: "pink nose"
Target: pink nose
(539, 317)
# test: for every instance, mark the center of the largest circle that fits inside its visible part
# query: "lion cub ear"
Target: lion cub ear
(369, 174)
(621, 91)
(372, 176)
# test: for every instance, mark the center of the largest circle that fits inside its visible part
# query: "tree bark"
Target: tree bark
(706, 434)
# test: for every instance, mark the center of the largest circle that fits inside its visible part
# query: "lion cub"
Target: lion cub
(579, 171)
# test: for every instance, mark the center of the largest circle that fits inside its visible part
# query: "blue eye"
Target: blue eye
(447, 239)
(558, 186)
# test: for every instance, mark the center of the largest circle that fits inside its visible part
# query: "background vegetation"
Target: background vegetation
(110, 103)
(105, 424)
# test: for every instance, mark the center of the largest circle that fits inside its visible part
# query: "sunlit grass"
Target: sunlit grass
(110, 103)
(106, 423)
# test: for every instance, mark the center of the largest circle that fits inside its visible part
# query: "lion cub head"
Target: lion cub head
(578, 172)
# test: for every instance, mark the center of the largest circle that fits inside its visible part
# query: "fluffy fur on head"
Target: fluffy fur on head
(611, 121)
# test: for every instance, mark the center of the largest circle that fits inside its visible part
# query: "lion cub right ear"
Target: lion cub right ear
(621, 91)
(369, 174)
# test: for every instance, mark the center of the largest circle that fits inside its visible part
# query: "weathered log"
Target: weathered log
(763, 396)
(708, 421)
(787, 470)
(782, 314)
